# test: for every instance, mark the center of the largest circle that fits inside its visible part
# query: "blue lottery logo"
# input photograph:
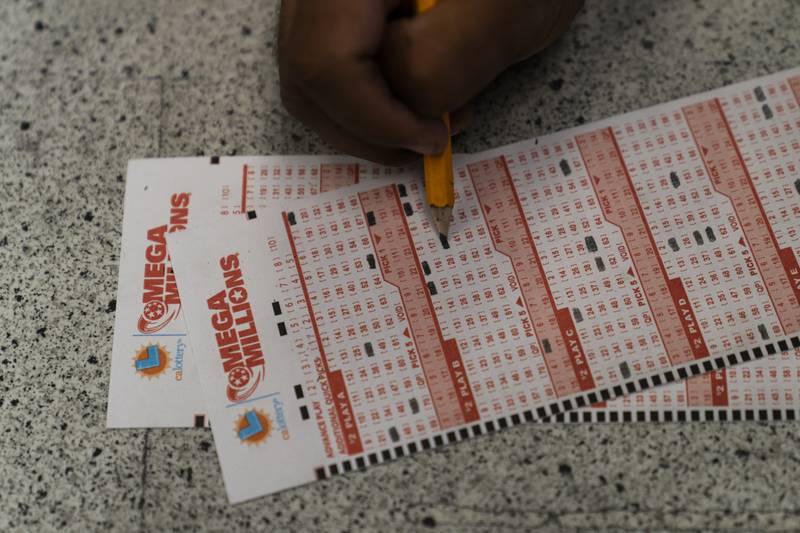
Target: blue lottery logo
(253, 427)
(151, 361)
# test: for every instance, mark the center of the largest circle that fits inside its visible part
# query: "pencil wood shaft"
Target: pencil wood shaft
(439, 168)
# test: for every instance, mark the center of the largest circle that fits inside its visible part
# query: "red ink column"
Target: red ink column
(441, 361)
(669, 304)
(344, 410)
(729, 176)
(792, 269)
(245, 175)
(341, 400)
(563, 354)
(710, 389)
(794, 83)
(333, 176)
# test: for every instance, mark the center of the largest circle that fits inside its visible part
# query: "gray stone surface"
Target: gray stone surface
(86, 85)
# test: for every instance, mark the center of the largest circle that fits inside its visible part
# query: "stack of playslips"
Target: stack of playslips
(306, 309)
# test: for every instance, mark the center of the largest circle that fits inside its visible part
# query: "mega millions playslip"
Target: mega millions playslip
(618, 271)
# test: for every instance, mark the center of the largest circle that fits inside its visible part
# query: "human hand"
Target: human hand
(342, 63)
(436, 62)
(331, 80)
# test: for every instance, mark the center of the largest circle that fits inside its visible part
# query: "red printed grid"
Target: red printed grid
(581, 264)
(770, 150)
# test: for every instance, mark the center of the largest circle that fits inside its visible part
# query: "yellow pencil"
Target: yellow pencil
(439, 168)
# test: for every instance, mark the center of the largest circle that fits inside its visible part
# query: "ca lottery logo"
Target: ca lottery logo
(253, 427)
(238, 343)
(160, 300)
(151, 361)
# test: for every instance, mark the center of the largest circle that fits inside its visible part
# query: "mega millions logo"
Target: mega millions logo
(237, 339)
(160, 300)
(253, 427)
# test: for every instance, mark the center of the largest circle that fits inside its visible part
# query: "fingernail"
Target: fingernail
(425, 149)
(428, 149)
(432, 141)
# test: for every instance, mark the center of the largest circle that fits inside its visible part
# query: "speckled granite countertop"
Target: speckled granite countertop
(86, 85)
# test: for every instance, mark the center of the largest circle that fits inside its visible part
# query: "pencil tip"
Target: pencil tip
(441, 218)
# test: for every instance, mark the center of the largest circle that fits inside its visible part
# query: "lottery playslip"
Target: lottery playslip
(341, 331)
(154, 379)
